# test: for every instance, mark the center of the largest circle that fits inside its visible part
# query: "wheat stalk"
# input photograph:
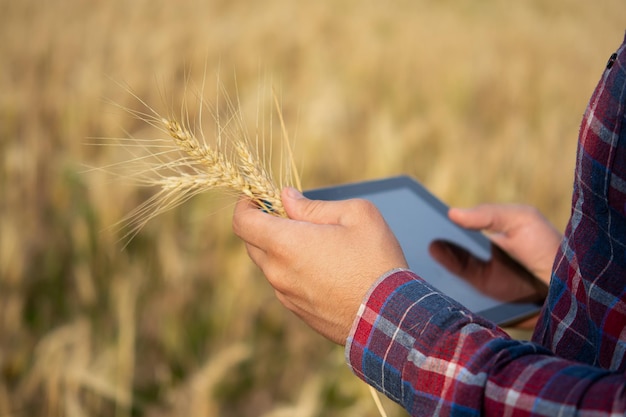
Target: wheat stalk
(186, 163)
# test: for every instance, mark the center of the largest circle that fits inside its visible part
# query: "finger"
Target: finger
(298, 207)
(254, 226)
(477, 218)
(241, 217)
(494, 218)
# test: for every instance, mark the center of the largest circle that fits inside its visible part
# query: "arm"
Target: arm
(432, 356)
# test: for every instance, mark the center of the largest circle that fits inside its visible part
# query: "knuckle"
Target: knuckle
(364, 207)
(363, 211)
(236, 225)
(534, 211)
(237, 222)
(241, 230)
(530, 212)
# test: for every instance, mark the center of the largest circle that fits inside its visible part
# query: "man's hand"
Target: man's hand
(323, 259)
(520, 231)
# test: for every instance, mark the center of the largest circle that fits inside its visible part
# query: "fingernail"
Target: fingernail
(293, 193)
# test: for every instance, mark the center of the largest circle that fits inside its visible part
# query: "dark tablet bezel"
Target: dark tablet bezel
(504, 314)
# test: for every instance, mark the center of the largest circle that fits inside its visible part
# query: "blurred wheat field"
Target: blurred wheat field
(481, 101)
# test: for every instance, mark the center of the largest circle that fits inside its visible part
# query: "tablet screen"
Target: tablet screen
(418, 219)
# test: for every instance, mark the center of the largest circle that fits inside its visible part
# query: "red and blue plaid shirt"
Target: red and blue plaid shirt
(434, 357)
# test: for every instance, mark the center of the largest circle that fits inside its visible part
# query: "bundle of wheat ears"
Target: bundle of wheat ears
(185, 163)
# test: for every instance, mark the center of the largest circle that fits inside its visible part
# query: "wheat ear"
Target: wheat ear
(185, 163)
(246, 175)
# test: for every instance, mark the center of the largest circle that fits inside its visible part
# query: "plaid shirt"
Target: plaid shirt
(434, 357)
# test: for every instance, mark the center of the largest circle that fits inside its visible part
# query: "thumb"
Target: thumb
(490, 218)
(298, 207)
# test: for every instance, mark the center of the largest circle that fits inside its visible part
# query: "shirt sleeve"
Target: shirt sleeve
(434, 357)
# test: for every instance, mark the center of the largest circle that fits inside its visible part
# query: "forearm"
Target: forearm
(434, 357)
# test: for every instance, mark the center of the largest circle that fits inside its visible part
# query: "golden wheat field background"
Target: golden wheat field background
(480, 100)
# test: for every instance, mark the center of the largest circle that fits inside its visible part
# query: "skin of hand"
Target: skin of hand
(323, 259)
(520, 230)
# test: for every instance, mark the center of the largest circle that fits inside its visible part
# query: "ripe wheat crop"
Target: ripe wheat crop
(185, 162)
(479, 100)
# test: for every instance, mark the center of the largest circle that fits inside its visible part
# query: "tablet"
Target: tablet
(418, 219)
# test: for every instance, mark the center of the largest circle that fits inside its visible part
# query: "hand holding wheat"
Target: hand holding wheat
(186, 164)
